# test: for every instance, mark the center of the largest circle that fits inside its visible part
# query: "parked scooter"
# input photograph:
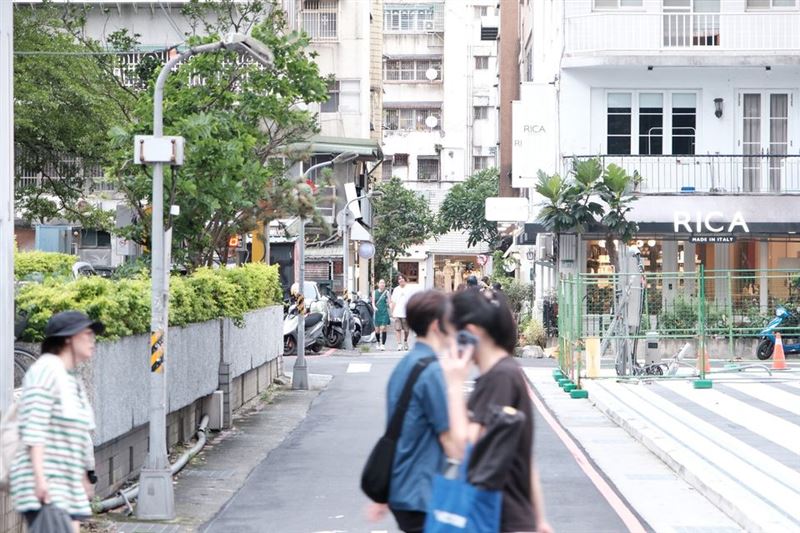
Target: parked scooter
(333, 328)
(363, 311)
(791, 342)
(314, 339)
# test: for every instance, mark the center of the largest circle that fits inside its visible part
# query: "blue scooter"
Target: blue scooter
(783, 318)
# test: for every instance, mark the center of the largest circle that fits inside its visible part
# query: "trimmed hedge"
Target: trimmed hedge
(48, 264)
(124, 305)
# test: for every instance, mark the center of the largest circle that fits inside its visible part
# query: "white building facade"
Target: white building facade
(439, 115)
(700, 98)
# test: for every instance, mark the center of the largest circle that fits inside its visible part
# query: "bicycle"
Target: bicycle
(23, 358)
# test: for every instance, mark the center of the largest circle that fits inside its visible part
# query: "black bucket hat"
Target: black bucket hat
(69, 323)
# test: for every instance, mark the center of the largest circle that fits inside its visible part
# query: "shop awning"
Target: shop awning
(319, 144)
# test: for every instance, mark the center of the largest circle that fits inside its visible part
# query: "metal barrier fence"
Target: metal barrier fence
(671, 324)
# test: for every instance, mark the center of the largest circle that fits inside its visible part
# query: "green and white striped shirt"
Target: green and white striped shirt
(66, 437)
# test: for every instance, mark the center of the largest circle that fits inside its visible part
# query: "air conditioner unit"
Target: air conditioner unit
(429, 26)
(545, 247)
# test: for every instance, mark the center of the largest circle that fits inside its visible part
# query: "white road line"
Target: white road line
(359, 368)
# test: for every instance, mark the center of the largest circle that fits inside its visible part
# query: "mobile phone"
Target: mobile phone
(464, 338)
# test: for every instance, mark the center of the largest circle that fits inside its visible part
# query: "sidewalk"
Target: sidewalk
(664, 501)
(204, 487)
(736, 444)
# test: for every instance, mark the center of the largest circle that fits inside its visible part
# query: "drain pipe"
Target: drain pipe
(124, 497)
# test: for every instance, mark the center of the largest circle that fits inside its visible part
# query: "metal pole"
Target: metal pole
(300, 372)
(6, 204)
(348, 334)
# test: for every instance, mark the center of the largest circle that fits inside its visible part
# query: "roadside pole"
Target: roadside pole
(300, 370)
(6, 204)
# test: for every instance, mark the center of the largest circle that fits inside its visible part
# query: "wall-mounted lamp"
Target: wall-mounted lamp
(768, 67)
(649, 67)
(718, 107)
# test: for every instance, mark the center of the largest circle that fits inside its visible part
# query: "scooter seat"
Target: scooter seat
(313, 319)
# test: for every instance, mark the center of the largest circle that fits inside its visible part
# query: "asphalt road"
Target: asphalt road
(310, 483)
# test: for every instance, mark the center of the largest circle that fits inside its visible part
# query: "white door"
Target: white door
(764, 139)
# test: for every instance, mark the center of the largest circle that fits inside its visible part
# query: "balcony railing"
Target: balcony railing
(678, 32)
(31, 173)
(709, 174)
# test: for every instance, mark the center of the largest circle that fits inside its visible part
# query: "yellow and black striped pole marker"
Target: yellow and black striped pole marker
(301, 304)
(156, 351)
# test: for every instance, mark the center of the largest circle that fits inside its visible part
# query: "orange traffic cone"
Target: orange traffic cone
(704, 361)
(778, 357)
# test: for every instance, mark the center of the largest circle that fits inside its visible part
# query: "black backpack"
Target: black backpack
(377, 474)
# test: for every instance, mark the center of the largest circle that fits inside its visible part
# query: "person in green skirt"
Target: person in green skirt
(380, 302)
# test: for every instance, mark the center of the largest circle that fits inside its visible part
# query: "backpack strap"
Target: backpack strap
(396, 424)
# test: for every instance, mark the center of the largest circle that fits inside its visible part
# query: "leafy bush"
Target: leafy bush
(682, 318)
(124, 305)
(535, 333)
(48, 264)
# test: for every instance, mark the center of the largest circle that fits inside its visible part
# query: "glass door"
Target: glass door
(764, 139)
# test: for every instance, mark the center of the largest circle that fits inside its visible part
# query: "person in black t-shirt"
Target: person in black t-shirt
(486, 315)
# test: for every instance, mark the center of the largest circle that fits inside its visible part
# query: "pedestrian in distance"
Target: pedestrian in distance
(501, 385)
(399, 301)
(380, 302)
(54, 464)
(497, 287)
(472, 282)
(425, 439)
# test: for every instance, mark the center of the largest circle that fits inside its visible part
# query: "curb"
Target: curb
(674, 459)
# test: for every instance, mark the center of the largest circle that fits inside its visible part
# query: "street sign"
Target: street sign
(499, 209)
(534, 135)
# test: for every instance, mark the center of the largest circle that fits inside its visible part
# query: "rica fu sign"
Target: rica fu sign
(709, 227)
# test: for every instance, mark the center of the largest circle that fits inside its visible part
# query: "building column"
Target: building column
(448, 277)
(430, 271)
(722, 261)
(669, 269)
(689, 268)
(763, 280)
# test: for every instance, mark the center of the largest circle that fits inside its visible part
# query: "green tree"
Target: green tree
(590, 197)
(464, 208)
(236, 118)
(403, 219)
(66, 103)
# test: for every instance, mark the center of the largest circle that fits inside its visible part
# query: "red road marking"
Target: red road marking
(628, 518)
(328, 353)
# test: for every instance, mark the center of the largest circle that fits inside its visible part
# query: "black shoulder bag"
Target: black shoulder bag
(377, 474)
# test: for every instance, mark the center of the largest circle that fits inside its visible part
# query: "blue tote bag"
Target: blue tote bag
(458, 507)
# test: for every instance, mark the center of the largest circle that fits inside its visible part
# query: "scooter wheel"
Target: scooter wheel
(289, 345)
(764, 349)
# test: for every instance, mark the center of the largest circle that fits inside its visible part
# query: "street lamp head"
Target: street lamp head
(375, 193)
(345, 157)
(250, 46)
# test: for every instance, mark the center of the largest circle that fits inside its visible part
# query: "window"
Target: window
(481, 162)
(637, 123)
(481, 11)
(684, 123)
(91, 238)
(769, 4)
(386, 169)
(349, 96)
(481, 62)
(400, 160)
(651, 123)
(331, 105)
(480, 112)
(411, 70)
(411, 119)
(428, 168)
(319, 18)
(618, 123)
(529, 65)
(616, 4)
(409, 18)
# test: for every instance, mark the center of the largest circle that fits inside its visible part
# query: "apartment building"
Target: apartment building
(440, 118)
(699, 97)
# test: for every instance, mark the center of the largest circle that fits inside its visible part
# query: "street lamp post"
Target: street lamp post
(348, 334)
(156, 494)
(300, 369)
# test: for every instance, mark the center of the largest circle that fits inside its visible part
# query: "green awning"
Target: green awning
(319, 144)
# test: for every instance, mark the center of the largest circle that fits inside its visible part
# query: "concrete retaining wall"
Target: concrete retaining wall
(202, 358)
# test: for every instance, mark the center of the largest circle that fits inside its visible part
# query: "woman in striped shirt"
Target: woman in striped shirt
(56, 457)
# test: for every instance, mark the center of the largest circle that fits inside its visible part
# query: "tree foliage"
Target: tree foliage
(65, 104)
(590, 197)
(236, 118)
(464, 208)
(403, 219)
